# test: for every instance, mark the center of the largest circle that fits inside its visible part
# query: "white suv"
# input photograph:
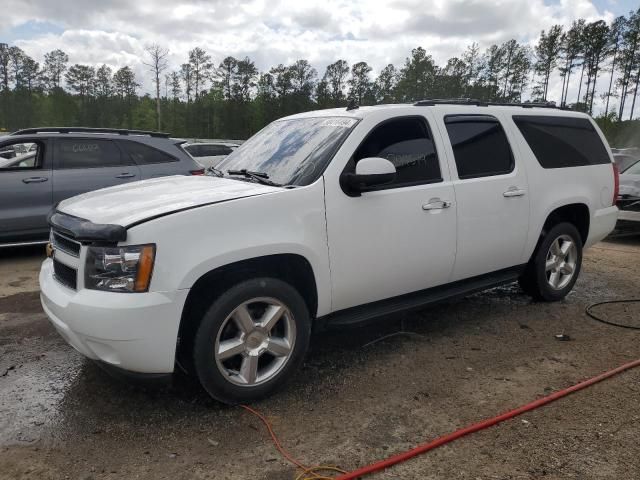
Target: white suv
(330, 216)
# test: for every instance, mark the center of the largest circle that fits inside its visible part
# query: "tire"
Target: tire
(251, 340)
(552, 281)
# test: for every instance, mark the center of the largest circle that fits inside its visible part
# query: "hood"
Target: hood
(134, 202)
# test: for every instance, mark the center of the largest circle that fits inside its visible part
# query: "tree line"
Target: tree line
(233, 99)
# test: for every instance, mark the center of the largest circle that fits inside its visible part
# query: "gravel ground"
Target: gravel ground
(352, 403)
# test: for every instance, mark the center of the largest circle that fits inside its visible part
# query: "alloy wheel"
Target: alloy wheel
(561, 262)
(255, 341)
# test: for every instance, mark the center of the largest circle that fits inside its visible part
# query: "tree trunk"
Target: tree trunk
(566, 92)
(595, 79)
(613, 69)
(580, 87)
(635, 94)
(158, 100)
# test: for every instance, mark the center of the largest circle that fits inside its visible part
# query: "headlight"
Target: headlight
(120, 269)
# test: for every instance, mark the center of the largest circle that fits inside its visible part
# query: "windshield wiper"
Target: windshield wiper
(215, 171)
(259, 177)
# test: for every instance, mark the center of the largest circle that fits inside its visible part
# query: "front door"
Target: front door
(401, 237)
(25, 190)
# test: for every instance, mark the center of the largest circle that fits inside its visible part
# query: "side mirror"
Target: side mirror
(370, 172)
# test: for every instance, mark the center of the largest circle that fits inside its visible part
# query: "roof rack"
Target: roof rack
(118, 131)
(479, 103)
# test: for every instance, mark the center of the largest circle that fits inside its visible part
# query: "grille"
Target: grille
(65, 275)
(66, 245)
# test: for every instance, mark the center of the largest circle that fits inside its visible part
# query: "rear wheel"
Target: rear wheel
(251, 340)
(555, 265)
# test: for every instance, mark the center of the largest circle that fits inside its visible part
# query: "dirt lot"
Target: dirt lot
(62, 417)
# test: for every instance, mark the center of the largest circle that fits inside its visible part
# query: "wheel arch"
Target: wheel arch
(294, 269)
(575, 213)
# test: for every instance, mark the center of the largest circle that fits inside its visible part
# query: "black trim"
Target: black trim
(137, 378)
(84, 230)
(410, 301)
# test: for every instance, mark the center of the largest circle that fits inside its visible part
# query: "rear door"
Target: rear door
(491, 192)
(85, 164)
(25, 190)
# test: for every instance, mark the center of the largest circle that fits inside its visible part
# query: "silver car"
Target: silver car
(41, 167)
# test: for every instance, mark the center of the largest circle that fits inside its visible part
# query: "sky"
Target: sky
(270, 32)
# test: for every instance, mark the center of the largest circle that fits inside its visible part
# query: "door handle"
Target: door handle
(35, 179)
(514, 192)
(126, 175)
(436, 204)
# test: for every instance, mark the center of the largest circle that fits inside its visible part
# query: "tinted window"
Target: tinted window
(408, 144)
(291, 151)
(559, 142)
(194, 150)
(480, 146)
(142, 154)
(213, 150)
(20, 155)
(86, 153)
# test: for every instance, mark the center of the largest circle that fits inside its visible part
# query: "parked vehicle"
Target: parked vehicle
(333, 216)
(210, 154)
(47, 165)
(629, 199)
(624, 161)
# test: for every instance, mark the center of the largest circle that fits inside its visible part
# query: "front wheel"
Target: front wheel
(251, 340)
(555, 265)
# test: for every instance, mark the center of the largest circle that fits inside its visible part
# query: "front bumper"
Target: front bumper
(136, 332)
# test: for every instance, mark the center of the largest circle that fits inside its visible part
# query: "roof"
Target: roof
(439, 105)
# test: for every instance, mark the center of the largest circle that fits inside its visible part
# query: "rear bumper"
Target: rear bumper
(134, 332)
(602, 224)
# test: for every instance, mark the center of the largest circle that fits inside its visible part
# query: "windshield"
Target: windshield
(291, 152)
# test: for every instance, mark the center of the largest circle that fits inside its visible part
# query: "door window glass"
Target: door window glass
(408, 144)
(20, 156)
(480, 146)
(86, 153)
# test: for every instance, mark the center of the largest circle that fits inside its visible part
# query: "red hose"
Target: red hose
(450, 437)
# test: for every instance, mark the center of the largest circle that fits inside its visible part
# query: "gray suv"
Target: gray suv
(41, 166)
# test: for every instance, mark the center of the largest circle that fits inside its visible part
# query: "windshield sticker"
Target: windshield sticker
(339, 122)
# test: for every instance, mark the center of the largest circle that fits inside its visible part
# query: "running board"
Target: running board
(24, 244)
(411, 301)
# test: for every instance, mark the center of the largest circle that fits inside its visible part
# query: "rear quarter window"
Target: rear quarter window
(144, 155)
(561, 142)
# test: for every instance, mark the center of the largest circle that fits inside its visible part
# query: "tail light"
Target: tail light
(616, 183)
(200, 171)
